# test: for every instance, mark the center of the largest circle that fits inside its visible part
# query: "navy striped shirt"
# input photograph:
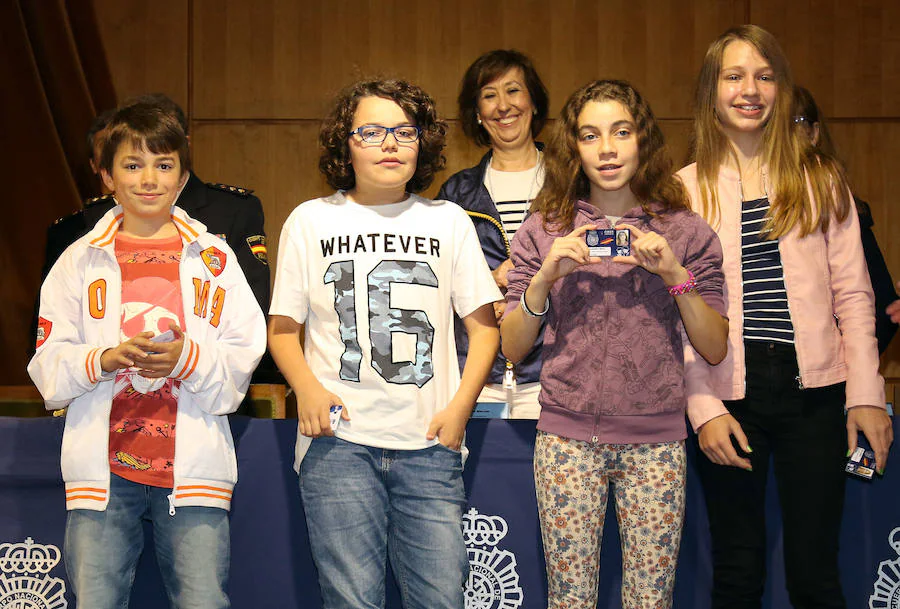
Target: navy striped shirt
(766, 314)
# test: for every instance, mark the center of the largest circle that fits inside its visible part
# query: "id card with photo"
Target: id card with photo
(861, 463)
(607, 242)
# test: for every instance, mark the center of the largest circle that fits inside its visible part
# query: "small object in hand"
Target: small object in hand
(166, 337)
(861, 463)
(601, 242)
(334, 415)
(144, 385)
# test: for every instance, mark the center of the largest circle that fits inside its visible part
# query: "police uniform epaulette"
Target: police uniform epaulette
(235, 190)
(100, 199)
(87, 203)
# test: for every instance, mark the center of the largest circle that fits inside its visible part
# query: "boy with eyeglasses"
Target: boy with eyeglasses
(371, 276)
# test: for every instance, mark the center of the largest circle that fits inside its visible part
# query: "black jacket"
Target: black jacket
(466, 188)
(882, 284)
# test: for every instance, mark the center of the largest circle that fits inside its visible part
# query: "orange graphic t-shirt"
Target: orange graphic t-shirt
(142, 421)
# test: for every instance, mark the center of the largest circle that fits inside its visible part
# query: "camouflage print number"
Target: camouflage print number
(384, 321)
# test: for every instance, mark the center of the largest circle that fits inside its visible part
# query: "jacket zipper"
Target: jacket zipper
(509, 377)
(799, 377)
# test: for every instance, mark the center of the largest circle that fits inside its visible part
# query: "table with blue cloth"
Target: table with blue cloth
(271, 565)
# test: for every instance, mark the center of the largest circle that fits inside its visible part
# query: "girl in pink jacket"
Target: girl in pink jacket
(802, 329)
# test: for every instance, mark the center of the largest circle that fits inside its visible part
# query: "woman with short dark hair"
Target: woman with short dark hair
(502, 105)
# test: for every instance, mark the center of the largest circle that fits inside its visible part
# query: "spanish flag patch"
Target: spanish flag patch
(257, 245)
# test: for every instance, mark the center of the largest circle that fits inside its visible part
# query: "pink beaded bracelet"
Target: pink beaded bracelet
(683, 288)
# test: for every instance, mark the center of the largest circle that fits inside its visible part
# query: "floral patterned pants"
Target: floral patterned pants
(573, 481)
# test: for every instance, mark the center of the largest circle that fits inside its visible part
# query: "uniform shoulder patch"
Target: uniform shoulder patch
(257, 245)
(235, 190)
(214, 259)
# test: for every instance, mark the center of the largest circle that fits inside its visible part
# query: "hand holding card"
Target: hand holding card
(334, 415)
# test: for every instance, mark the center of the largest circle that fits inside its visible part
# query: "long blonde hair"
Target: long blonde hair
(792, 163)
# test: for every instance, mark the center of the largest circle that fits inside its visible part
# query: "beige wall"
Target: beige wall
(256, 76)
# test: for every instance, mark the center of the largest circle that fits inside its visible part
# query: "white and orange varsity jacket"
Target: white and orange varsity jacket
(225, 337)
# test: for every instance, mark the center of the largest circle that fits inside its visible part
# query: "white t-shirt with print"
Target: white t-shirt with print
(376, 287)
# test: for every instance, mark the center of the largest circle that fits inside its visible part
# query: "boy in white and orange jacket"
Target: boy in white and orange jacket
(146, 434)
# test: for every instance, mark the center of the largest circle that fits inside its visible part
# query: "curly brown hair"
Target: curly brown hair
(483, 70)
(565, 181)
(334, 161)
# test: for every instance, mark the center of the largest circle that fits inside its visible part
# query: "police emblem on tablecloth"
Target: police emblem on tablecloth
(493, 579)
(25, 581)
(887, 588)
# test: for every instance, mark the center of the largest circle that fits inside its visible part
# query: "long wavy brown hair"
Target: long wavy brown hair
(564, 179)
(793, 166)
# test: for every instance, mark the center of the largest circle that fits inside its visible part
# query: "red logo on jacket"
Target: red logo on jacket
(214, 258)
(43, 331)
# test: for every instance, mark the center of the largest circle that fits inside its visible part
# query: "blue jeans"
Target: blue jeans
(367, 505)
(102, 549)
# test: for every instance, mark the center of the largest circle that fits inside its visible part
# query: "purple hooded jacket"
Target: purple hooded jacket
(614, 342)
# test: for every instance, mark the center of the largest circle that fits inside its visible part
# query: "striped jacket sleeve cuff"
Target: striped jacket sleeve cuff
(187, 363)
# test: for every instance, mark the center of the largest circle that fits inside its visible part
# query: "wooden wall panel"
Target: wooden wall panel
(278, 161)
(147, 47)
(283, 59)
(847, 51)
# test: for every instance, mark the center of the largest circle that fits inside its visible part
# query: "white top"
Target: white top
(512, 193)
(376, 288)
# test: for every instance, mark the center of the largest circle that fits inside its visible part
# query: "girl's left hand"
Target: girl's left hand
(652, 252)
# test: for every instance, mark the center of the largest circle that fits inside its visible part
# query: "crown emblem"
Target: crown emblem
(886, 594)
(28, 558)
(481, 530)
(25, 579)
(493, 579)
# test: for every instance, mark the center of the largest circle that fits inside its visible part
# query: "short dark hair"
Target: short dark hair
(164, 103)
(334, 161)
(483, 70)
(97, 125)
(145, 126)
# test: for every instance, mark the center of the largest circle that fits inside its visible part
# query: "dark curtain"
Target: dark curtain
(55, 79)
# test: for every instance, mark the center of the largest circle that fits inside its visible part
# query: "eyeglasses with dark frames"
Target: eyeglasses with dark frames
(801, 120)
(376, 134)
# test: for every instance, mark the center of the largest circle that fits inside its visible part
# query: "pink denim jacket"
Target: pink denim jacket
(829, 297)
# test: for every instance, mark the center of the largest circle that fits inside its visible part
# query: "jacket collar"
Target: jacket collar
(584, 208)
(103, 235)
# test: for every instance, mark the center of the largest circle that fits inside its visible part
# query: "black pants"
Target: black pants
(803, 433)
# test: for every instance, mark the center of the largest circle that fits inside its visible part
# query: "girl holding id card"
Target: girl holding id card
(617, 329)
